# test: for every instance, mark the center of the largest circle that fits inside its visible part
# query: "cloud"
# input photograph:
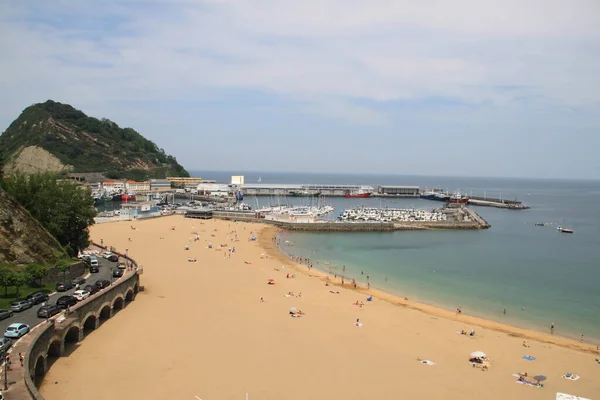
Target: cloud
(365, 63)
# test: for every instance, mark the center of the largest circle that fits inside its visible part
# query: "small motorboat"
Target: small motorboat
(564, 230)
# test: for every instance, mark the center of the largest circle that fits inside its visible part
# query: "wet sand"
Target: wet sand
(199, 329)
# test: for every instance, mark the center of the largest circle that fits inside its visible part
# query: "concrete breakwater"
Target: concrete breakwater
(51, 339)
(465, 218)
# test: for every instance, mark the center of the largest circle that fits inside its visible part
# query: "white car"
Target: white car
(81, 294)
(107, 254)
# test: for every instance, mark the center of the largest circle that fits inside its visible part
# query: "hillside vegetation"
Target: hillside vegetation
(23, 240)
(65, 139)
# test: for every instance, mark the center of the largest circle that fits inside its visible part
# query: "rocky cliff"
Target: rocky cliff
(56, 137)
(22, 239)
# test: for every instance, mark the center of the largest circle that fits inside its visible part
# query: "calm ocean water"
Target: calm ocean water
(514, 264)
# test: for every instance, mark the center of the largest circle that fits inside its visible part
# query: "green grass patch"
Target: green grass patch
(24, 291)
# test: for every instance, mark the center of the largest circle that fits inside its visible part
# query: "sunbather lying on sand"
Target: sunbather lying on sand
(334, 291)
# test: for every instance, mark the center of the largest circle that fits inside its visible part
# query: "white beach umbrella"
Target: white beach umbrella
(478, 354)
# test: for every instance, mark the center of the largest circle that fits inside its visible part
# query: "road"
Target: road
(30, 317)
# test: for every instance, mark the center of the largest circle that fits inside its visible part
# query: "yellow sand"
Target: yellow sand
(199, 329)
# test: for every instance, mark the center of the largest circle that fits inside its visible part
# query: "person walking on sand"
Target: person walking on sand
(21, 359)
(552, 327)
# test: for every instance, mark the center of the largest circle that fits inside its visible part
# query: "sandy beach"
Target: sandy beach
(200, 330)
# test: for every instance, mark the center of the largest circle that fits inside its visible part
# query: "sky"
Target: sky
(465, 87)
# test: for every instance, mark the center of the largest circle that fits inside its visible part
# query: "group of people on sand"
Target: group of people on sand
(463, 332)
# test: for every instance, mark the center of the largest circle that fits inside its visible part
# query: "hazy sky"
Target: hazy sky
(462, 87)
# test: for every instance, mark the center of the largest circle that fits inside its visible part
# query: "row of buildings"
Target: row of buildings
(97, 182)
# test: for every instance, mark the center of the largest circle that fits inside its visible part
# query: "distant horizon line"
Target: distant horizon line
(237, 172)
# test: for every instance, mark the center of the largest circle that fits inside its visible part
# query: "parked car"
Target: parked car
(37, 298)
(107, 254)
(113, 258)
(5, 314)
(48, 311)
(93, 289)
(64, 286)
(101, 284)
(117, 273)
(20, 305)
(122, 266)
(16, 330)
(5, 344)
(94, 268)
(65, 302)
(94, 264)
(81, 295)
(78, 282)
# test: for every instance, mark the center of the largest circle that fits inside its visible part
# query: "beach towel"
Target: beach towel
(530, 358)
(359, 324)
(526, 383)
(573, 377)
(428, 362)
(564, 396)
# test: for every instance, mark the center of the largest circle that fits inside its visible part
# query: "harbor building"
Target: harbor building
(213, 189)
(405, 191)
(113, 186)
(160, 185)
(133, 186)
(273, 189)
(139, 210)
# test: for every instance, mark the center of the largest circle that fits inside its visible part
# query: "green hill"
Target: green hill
(56, 137)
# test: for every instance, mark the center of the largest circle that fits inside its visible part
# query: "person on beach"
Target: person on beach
(582, 338)
(21, 359)
(505, 311)
(552, 327)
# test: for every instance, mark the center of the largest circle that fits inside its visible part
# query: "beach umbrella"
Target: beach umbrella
(292, 308)
(478, 354)
(540, 377)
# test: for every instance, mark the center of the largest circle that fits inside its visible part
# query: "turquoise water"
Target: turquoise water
(514, 264)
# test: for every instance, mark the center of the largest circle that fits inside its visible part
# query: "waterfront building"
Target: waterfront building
(160, 185)
(113, 186)
(133, 186)
(139, 210)
(213, 189)
(408, 191)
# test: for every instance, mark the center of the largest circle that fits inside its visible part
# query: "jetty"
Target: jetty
(444, 218)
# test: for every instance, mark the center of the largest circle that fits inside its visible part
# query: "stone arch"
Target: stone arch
(72, 335)
(55, 348)
(117, 303)
(90, 322)
(40, 369)
(136, 288)
(104, 312)
(129, 295)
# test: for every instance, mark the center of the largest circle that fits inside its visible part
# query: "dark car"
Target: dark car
(117, 273)
(65, 301)
(64, 286)
(48, 311)
(5, 344)
(91, 288)
(37, 298)
(113, 258)
(78, 282)
(94, 268)
(4, 313)
(101, 284)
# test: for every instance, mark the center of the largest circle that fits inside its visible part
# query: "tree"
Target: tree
(19, 279)
(5, 279)
(63, 266)
(35, 273)
(65, 209)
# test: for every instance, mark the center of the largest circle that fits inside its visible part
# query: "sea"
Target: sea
(537, 274)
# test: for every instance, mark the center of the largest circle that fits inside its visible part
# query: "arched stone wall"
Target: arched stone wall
(118, 303)
(129, 295)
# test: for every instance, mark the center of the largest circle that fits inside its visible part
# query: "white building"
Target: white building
(237, 180)
(213, 189)
(113, 186)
